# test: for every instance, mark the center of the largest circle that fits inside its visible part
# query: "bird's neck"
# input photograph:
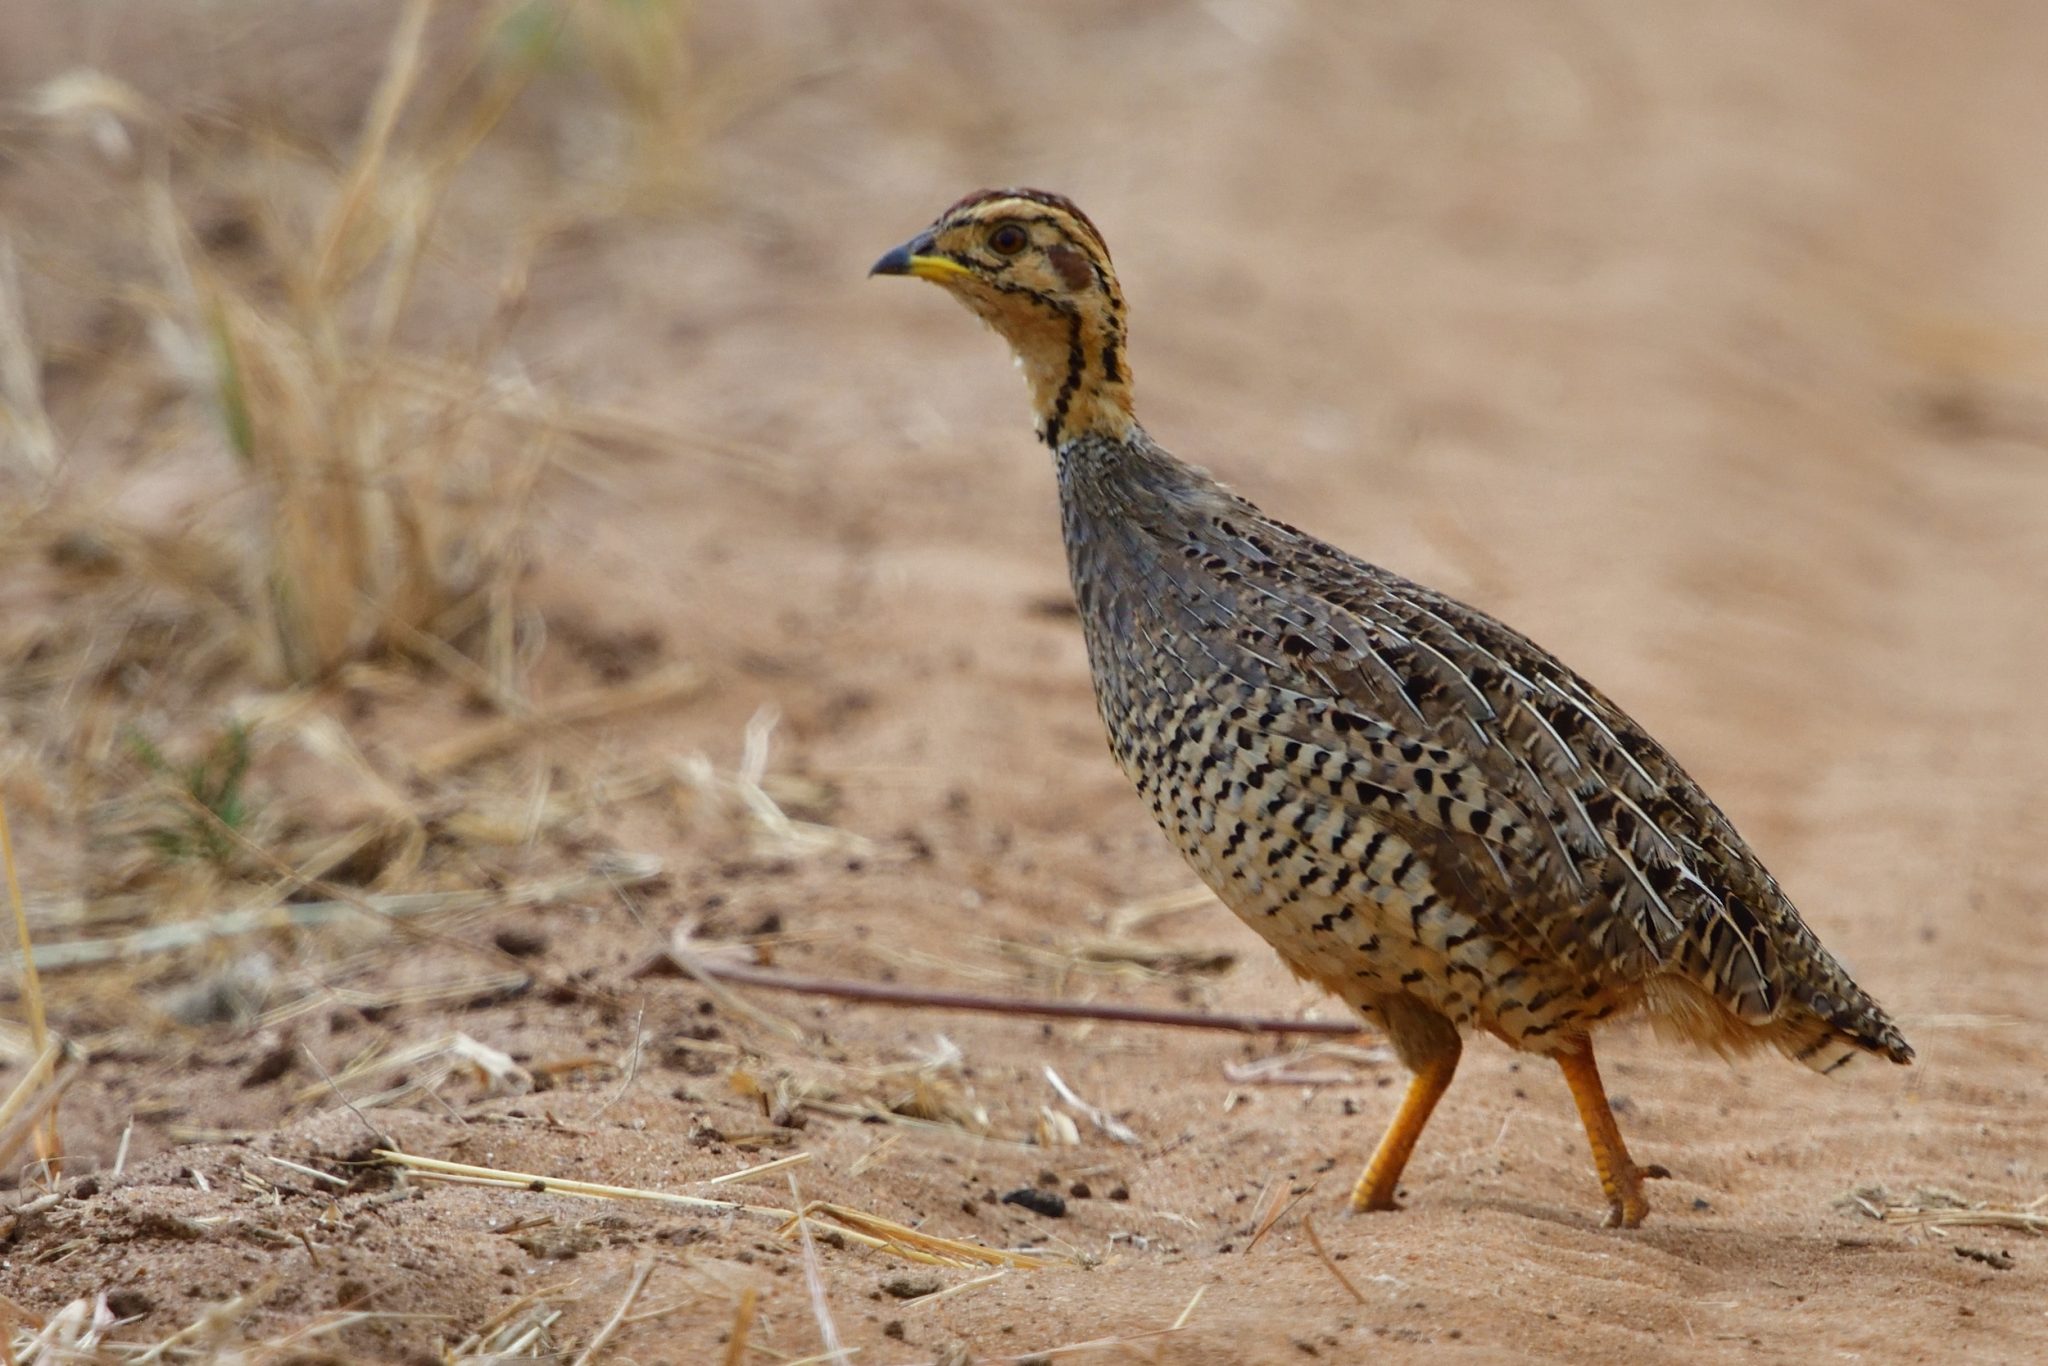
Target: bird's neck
(1080, 381)
(1130, 481)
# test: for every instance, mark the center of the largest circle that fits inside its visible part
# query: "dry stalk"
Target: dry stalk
(924, 1301)
(522, 1334)
(1133, 916)
(1286, 1069)
(755, 1173)
(25, 432)
(1315, 1241)
(742, 1326)
(47, 1149)
(814, 1279)
(1942, 1217)
(773, 829)
(465, 1173)
(1274, 1215)
(1095, 1114)
(914, 1244)
(31, 1106)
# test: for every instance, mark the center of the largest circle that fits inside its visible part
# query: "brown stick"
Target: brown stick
(747, 975)
(1308, 1227)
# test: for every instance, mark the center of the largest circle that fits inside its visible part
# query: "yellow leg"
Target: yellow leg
(1375, 1189)
(1620, 1177)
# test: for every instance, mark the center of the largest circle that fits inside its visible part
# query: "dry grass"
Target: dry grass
(1938, 1217)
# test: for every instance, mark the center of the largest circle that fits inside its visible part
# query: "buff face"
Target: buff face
(1033, 267)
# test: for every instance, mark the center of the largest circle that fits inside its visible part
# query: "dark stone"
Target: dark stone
(1044, 1202)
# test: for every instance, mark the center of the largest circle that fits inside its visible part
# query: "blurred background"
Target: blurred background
(455, 446)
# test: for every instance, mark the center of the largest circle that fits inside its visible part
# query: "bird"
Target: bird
(1422, 810)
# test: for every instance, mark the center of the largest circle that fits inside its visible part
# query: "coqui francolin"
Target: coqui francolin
(1418, 807)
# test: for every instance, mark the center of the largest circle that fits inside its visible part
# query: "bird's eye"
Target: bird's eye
(1009, 239)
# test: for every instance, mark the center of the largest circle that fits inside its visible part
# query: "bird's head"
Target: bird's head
(1033, 267)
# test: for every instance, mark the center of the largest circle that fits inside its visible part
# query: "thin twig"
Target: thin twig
(756, 1173)
(611, 1325)
(302, 1169)
(632, 1067)
(306, 1050)
(1315, 1241)
(874, 993)
(1274, 1216)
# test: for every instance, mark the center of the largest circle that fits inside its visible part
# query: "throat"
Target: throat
(1080, 383)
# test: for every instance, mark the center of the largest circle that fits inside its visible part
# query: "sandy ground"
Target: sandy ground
(1704, 343)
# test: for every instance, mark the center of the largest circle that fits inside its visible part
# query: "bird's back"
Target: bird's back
(1406, 796)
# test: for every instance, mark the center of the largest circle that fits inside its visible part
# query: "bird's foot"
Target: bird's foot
(1627, 1205)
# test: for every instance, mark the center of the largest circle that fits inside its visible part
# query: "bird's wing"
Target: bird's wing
(1523, 776)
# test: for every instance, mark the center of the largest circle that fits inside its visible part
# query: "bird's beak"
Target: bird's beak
(916, 257)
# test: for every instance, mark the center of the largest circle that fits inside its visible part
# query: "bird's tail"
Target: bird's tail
(1826, 1032)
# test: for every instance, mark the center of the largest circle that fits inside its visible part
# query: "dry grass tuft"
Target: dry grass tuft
(393, 485)
(32, 1105)
(309, 342)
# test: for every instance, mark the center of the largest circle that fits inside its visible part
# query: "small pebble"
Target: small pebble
(907, 1287)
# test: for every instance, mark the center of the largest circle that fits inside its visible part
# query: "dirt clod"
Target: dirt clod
(521, 941)
(910, 1287)
(128, 1303)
